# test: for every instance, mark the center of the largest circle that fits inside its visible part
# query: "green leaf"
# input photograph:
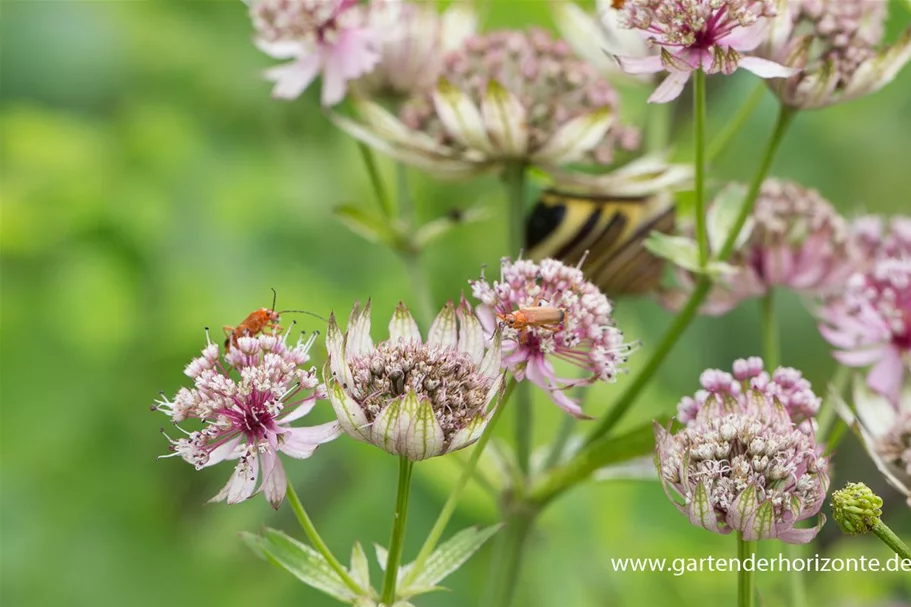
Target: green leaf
(683, 252)
(723, 214)
(304, 563)
(449, 556)
(374, 229)
(360, 568)
(254, 543)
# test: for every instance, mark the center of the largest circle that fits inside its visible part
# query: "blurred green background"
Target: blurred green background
(151, 187)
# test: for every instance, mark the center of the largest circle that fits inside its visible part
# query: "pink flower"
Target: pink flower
(586, 336)
(870, 323)
(711, 35)
(728, 392)
(877, 237)
(325, 36)
(740, 463)
(246, 414)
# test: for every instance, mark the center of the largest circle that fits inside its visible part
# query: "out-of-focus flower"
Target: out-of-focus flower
(795, 239)
(586, 335)
(725, 392)
(409, 397)
(885, 431)
(507, 96)
(711, 35)
(414, 39)
(742, 465)
(321, 36)
(877, 237)
(870, 324)
(599, 37)
(837, 46)
(856, 508)
(247, 414)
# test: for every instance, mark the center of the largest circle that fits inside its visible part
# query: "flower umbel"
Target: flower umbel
(710, 35)
(870, 324)
(327, 36)
(586, 335)
(725, 392)
(878, 237)
(246, 402)
(505, 96)
(409, 397)
(742, 465)
(795, 239)
(837, 45)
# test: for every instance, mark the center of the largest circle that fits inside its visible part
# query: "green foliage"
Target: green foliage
(151, 187)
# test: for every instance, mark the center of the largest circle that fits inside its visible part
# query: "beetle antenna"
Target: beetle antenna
(304, 312)
(274, 298)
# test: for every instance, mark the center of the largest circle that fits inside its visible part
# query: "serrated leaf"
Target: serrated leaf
(449, 556)
(304, 563)
(373, 229)
(360, 568)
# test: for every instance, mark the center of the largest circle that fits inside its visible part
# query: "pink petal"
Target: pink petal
(670, 88)
(887, 375)
(291, 79)
(745, 39)
(299, 411)
(860, 358)
(274, 479)
(300, 443)
(352, 56)
(765, 68)
(641, 65)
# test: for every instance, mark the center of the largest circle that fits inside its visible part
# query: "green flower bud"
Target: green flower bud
(856, 508)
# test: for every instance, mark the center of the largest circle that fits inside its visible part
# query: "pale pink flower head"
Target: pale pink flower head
(711, 35)
(414, 40)
(870, 324)
(740, 463)
(795, 239)
(328, 37)
(503, 97)
(586, 335)
(246, 400)
(727, 392)
(876, 237)
(411, 397)
(838, 47)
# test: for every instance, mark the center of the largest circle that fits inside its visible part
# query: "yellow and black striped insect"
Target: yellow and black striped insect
(565, 225)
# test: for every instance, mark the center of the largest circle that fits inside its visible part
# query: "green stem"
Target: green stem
(318, 543)
(514, 181)
(746, 580)
(564, 433)
(375, 180)
(771, 352)
(699, 141)
(452, 501)
(722, 139)
(667, 343)
(397, 542)
(797, 580)
(696, 298)
(891, 540)
(507, 560)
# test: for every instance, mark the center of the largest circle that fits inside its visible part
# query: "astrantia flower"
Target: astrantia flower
(870, 324)
(742, 465)
(321, 36)
(409, 397)
(711, 35)
(838, 46)
(885, 430)
(246, 402)
(414, 39)
(724, 391)
(586, 335)
(795, 239)
(878, 237)
(599, 37)
(504, 96)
